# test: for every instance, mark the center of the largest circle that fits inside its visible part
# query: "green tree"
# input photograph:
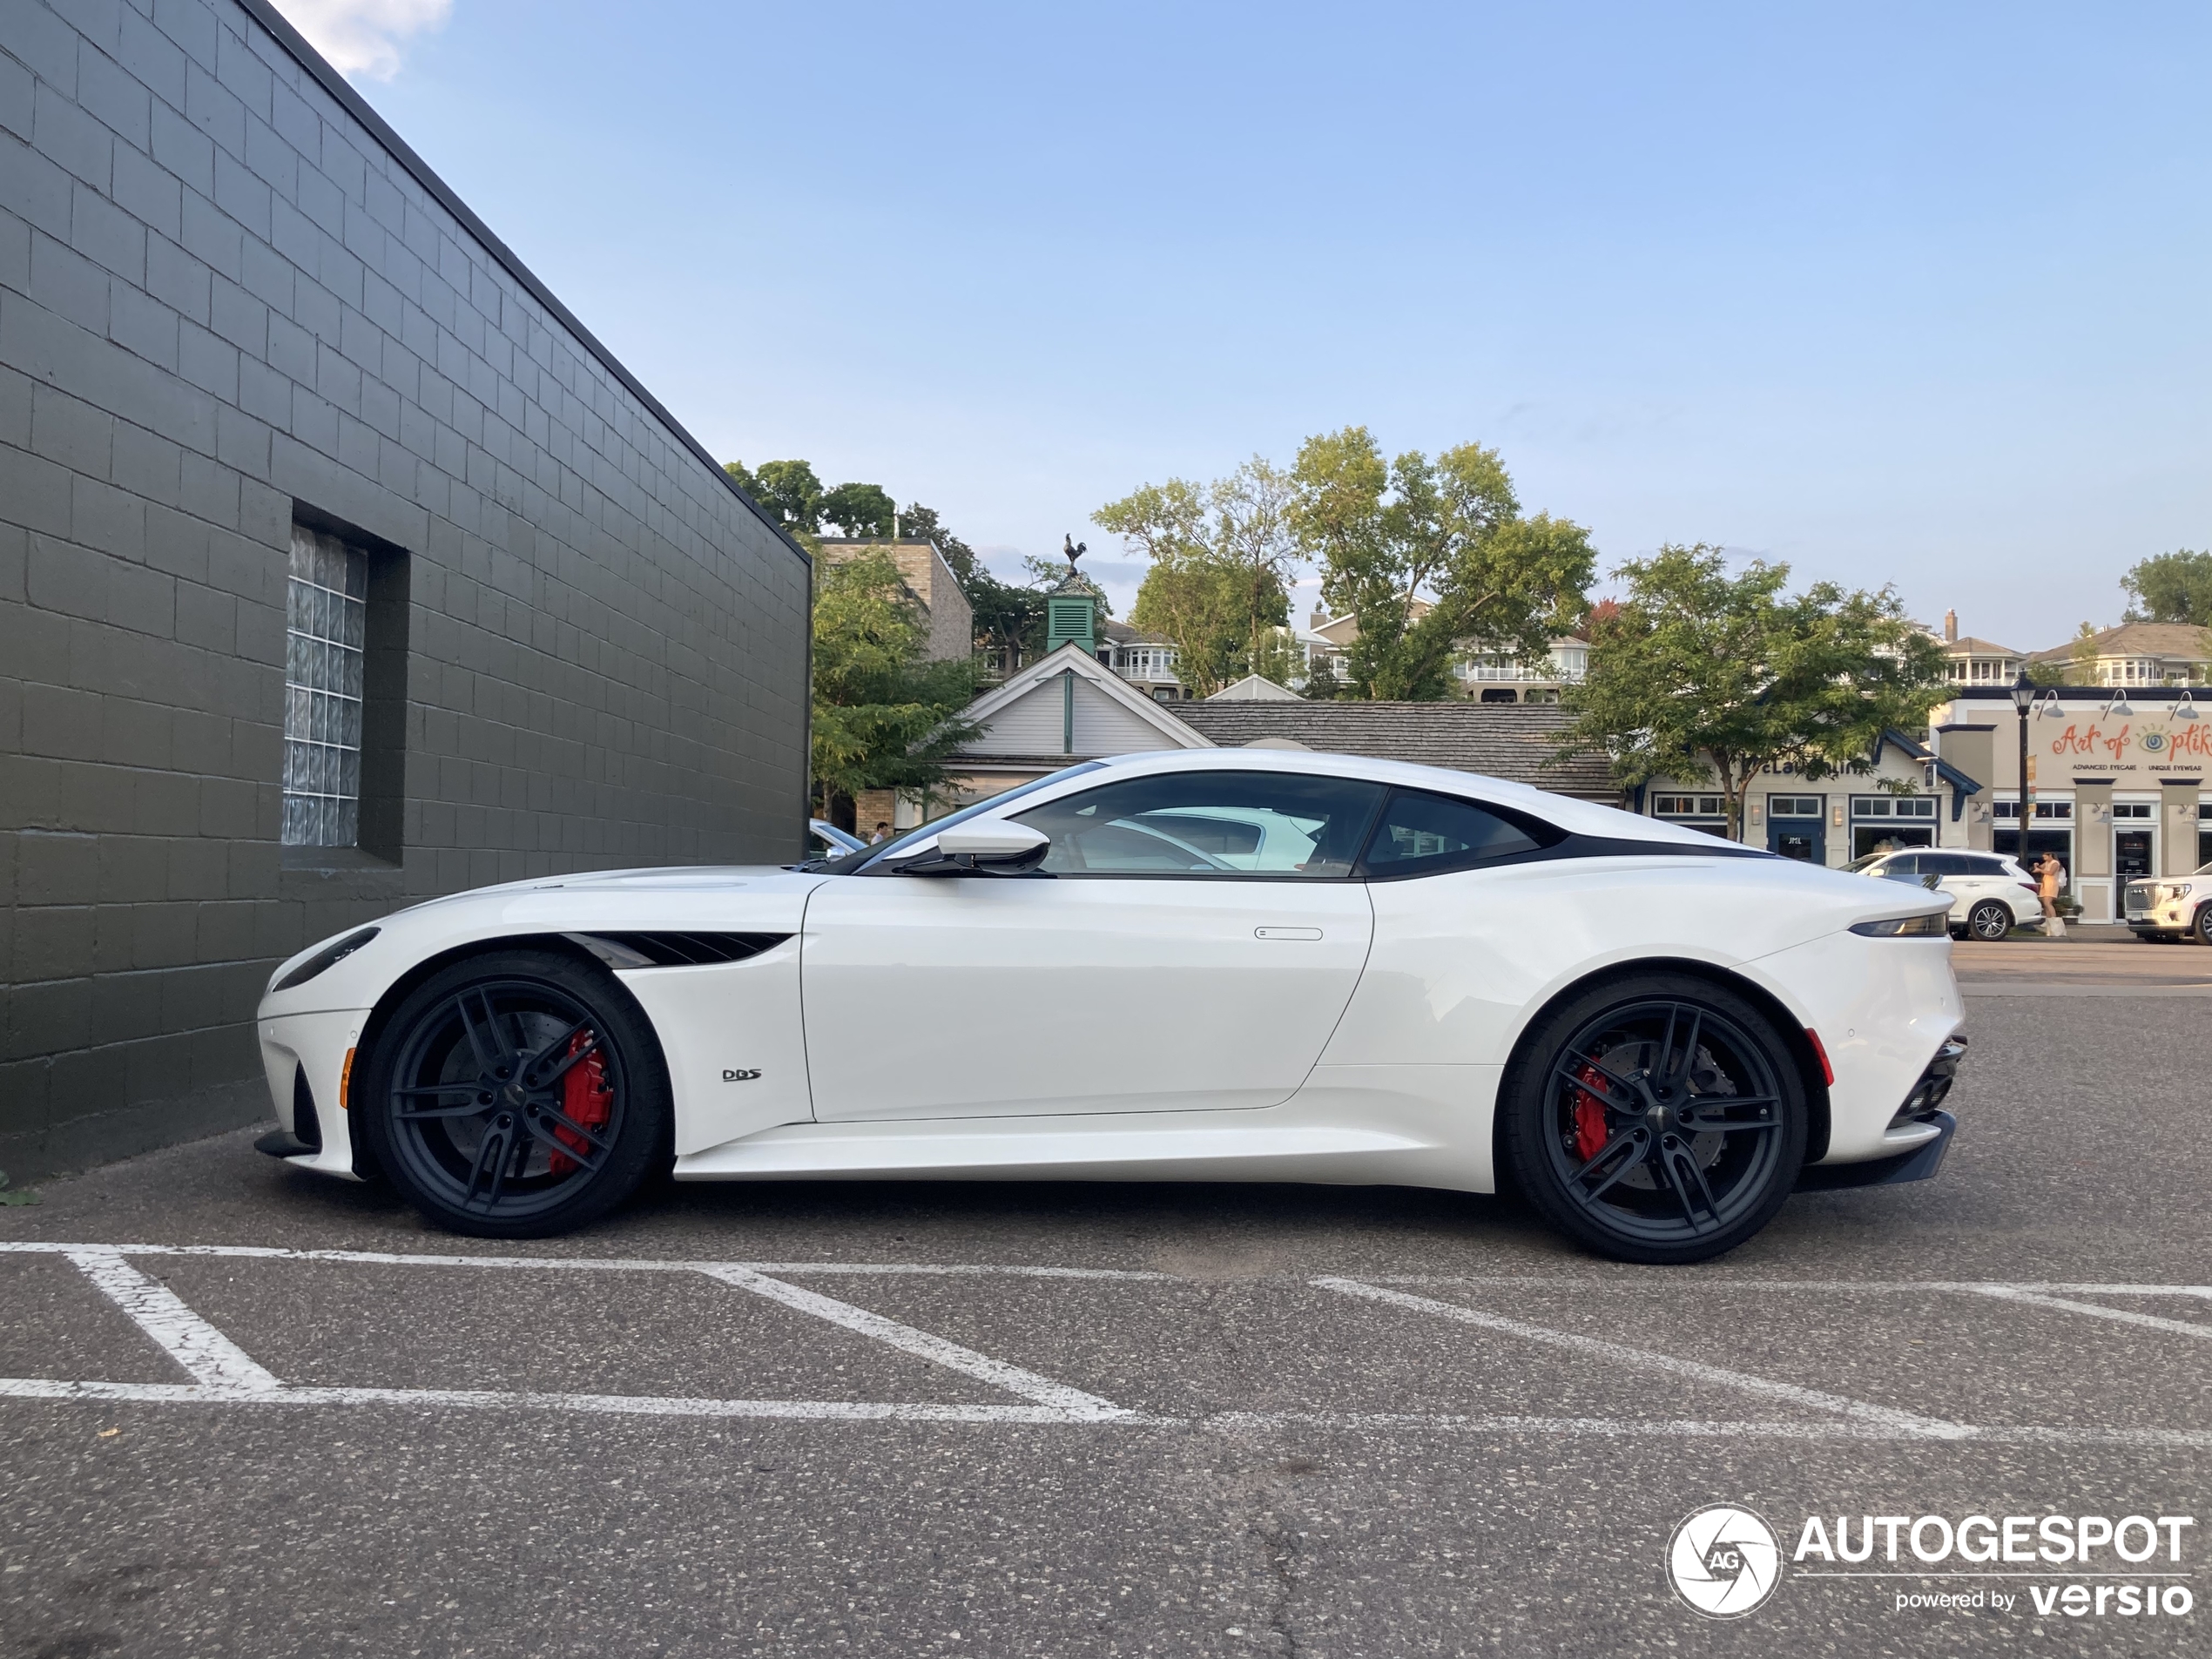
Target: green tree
(885, 717)
(1701, 674)
(1222, 559)
(2083, 654)
(862, 511)
(786, 490)
(2171, 587)
(1390, 537)
(1010, 618)
(1321, 683)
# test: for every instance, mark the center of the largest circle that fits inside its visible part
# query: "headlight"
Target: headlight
(2177, 890)
(1905, 926)
(330, 956)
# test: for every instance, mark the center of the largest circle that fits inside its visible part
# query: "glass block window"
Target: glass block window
(325, 616)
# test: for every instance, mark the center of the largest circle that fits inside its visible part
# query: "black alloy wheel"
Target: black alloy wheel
(517, 1095)
(1657, 1120)
(1990, 919)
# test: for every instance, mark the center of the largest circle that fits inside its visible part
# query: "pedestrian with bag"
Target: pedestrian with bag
(2050, 875)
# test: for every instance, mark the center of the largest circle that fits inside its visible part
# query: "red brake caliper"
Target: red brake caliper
(1590, 1135)
(585, 1099)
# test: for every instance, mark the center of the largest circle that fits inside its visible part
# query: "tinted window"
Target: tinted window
(1906, 866)
(1421, 834)
(1279, 825)
(1985, 866)
(1945, 864)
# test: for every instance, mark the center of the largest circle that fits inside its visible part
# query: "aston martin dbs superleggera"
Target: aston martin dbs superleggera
(1248, 965)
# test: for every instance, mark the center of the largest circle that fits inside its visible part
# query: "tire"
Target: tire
(1989, 920)
(1592, 1128)
(2201, 929)
(517, 1095)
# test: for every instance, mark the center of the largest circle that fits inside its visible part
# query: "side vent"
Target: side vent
(674, 950)
(306, 1126)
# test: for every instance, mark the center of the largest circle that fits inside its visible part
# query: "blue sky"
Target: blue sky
(1902, 294)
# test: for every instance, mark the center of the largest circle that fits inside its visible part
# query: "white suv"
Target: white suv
(1990, 895)
(2164, 911)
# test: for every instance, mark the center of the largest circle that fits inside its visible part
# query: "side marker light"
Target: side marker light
(1819, 1053)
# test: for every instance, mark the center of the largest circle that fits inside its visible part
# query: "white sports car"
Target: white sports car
(1218, 965)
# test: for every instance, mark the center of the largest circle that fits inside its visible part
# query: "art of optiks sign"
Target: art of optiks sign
(2091, 744)
(1726, 1561)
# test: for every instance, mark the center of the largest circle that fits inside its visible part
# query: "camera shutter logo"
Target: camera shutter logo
(1724, 1561)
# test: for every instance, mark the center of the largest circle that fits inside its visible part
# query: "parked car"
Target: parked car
(1990, 894)
(826, 840)
(1207, 965)
(2166, 912)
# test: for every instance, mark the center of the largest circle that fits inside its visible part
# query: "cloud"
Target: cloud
(364, 36)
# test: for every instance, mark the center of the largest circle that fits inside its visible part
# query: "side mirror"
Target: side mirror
(982, 848)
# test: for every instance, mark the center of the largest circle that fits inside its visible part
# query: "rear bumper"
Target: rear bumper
(1918, 1164)
(1921, 1129)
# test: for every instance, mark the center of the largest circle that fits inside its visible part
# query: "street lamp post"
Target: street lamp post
(2023, 699)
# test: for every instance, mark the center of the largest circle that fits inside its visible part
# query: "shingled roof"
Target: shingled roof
(1510, 740)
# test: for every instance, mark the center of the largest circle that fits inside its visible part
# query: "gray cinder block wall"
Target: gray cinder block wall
(232, 302)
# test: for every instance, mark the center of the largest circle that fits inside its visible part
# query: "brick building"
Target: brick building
(340, 566)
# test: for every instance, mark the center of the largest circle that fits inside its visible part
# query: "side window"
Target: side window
(1422, 834)
(1985, 866)
(1945, 864)
(1906, 866)
(1281, 825)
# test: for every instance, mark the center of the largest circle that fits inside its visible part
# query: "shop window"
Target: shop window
(2044, 809)
(2132, 809)
(1793, 806)
(1687, 806)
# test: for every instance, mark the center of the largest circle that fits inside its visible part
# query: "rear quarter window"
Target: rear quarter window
(1425, 834)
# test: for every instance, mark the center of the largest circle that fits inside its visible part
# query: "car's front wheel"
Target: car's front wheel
(1990, 919)
(1660, 1119)
(2201, 929)
(515, 1094)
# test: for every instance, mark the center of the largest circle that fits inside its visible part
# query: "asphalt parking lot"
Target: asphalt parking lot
(251, 1413)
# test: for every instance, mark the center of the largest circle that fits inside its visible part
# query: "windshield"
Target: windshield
(871, 857)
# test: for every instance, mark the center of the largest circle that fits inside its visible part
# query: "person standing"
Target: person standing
(2050, 874)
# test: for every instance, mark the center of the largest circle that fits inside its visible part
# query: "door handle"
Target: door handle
(1286, 933)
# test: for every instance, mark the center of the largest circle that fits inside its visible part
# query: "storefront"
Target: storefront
(2117, 781)
(1905, 795)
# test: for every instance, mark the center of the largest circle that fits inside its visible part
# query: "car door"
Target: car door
(1954, 873)
(1189, 944)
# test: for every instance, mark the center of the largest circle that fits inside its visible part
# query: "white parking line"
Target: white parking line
(837, 1411)
(1072, 1403)
(1667, 1280)
(1644, 1359)
(224, 1375)
(582, 1263)
(2124, 1316)
(209, 1358)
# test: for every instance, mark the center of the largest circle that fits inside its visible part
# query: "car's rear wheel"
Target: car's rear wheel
(515, 1094)
(1989, 920)
(1661, 1119)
